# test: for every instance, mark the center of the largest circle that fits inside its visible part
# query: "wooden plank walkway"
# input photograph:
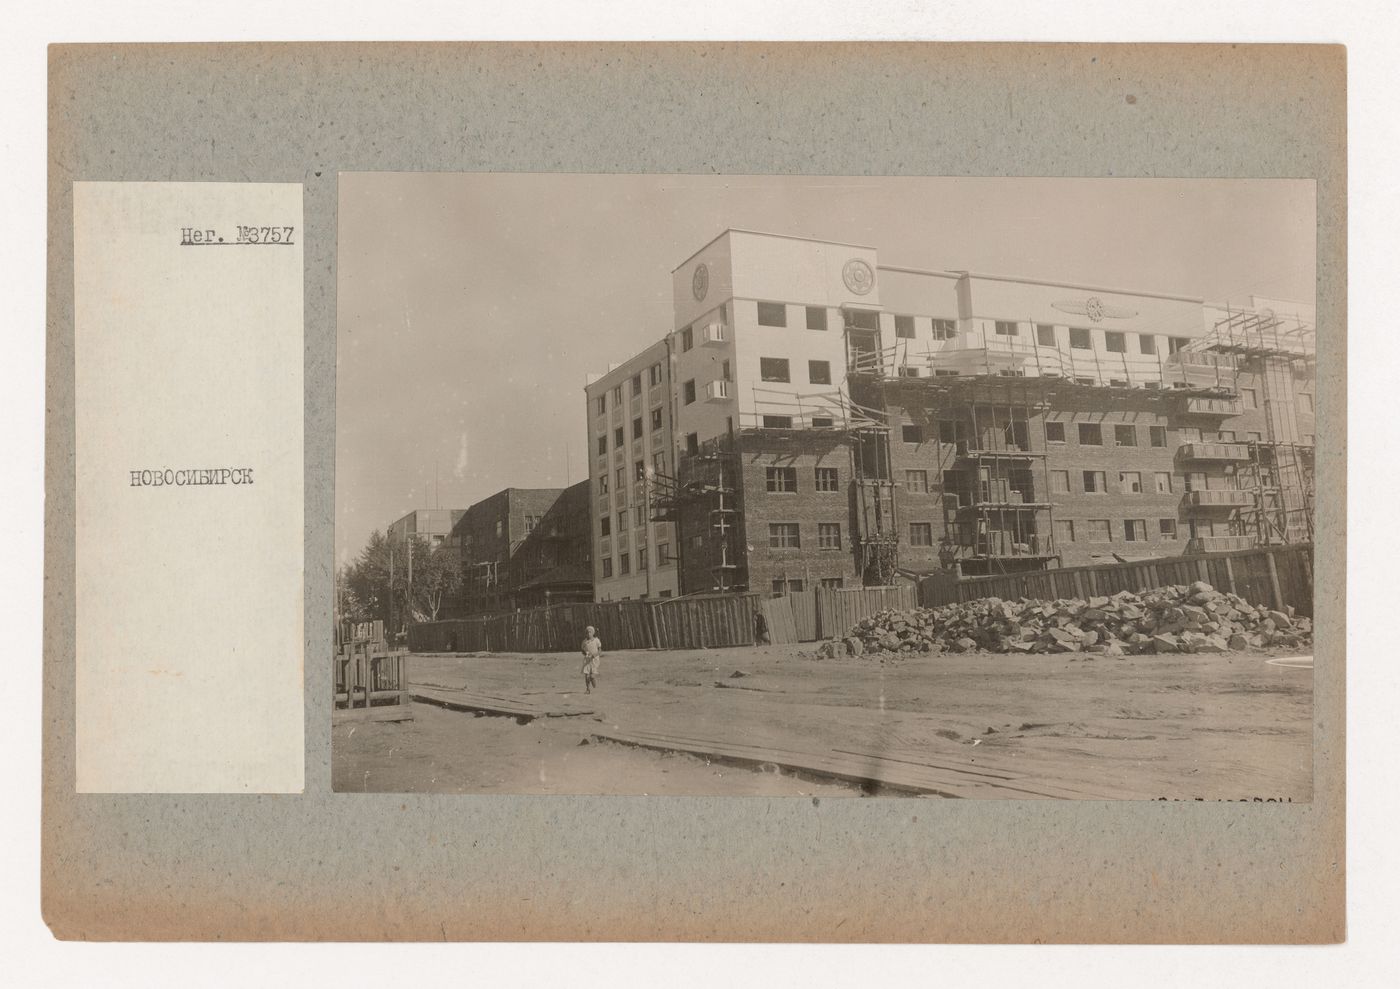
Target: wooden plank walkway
(514, 707)
(862, 769)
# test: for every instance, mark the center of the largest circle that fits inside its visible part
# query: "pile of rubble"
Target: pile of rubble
(1179, 618)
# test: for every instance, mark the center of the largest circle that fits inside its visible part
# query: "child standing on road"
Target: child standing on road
(592, 655)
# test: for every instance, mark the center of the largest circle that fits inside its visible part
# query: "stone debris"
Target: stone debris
(1194, 618)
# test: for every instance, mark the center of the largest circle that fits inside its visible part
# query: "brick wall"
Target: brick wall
(806, 507)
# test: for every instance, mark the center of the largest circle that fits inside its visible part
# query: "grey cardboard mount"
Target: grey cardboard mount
(322, 865)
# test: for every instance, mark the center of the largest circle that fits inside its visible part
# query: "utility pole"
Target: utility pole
(647, 472)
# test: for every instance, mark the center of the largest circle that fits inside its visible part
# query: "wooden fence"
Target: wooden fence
(1273, 576)
(840, 608)
(370, 680)
(701, 621)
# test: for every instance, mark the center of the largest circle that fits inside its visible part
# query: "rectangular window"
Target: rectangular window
(1099, 531)
(1080, 339)
(816, 318)
(1250, 398)
(772, 314)
(904, 327)
(822, 422)
(819, 372)
(687, 339)
(602, 404)
(637, 428)
(784, 535)
(863, 319)
(654, 375)
(692, 442)
(641, 558)
(1054, 432)
(1090, 434)
(1166, 528)
(781, 479)
(947, 431)
(833, 583)
(1114, 342)
(945, 329)
(1129, 482)
(1045, 334)
(607, 566)
(655, 419)
(1125, 435)
(1007, 328)
(605, 526)
(725, 373)
(1064, 531)
(1196, 481)
(1095, 482)
(1157, 435)
(773, 369)
(619, 439)
(621, 522)
(663, 554)
(1163, 480)
(828, 535)
(1147, 343)
(1226, 436)
(1059, 482)
(1252, 437)
(602, 445)
(827, 479)
(617, 396)
(688, 390)
(1175, 344)
(906, 371)
(910, 433)
(603, 485)
(624, 563)
(920, 533)
(1135, 530)
(916, 481)
(777, 422)
(621, 478)
(1305, 402)
(639, 470)
(636, 385)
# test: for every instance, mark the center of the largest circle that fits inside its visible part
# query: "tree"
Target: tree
(438, 576)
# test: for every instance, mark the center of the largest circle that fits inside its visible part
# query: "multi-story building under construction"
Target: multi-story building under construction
(834, 420)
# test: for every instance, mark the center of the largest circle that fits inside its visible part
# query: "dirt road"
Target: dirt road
(1141, 727)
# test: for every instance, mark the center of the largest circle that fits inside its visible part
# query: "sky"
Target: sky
(473, 306)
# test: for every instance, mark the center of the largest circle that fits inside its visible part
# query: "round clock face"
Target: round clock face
(700, 284)
(1093, 308)
(858, 276)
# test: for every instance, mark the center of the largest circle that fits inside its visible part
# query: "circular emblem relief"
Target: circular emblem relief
(858, 276)
(700, 284)
(1093, 308)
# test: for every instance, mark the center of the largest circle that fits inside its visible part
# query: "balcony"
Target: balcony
(713, 333)
(1219, 544)
(1224, 498)
(717, 391)
(1195, 405)
(1214, 451)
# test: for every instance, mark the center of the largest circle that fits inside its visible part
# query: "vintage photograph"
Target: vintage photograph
(825, 486)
